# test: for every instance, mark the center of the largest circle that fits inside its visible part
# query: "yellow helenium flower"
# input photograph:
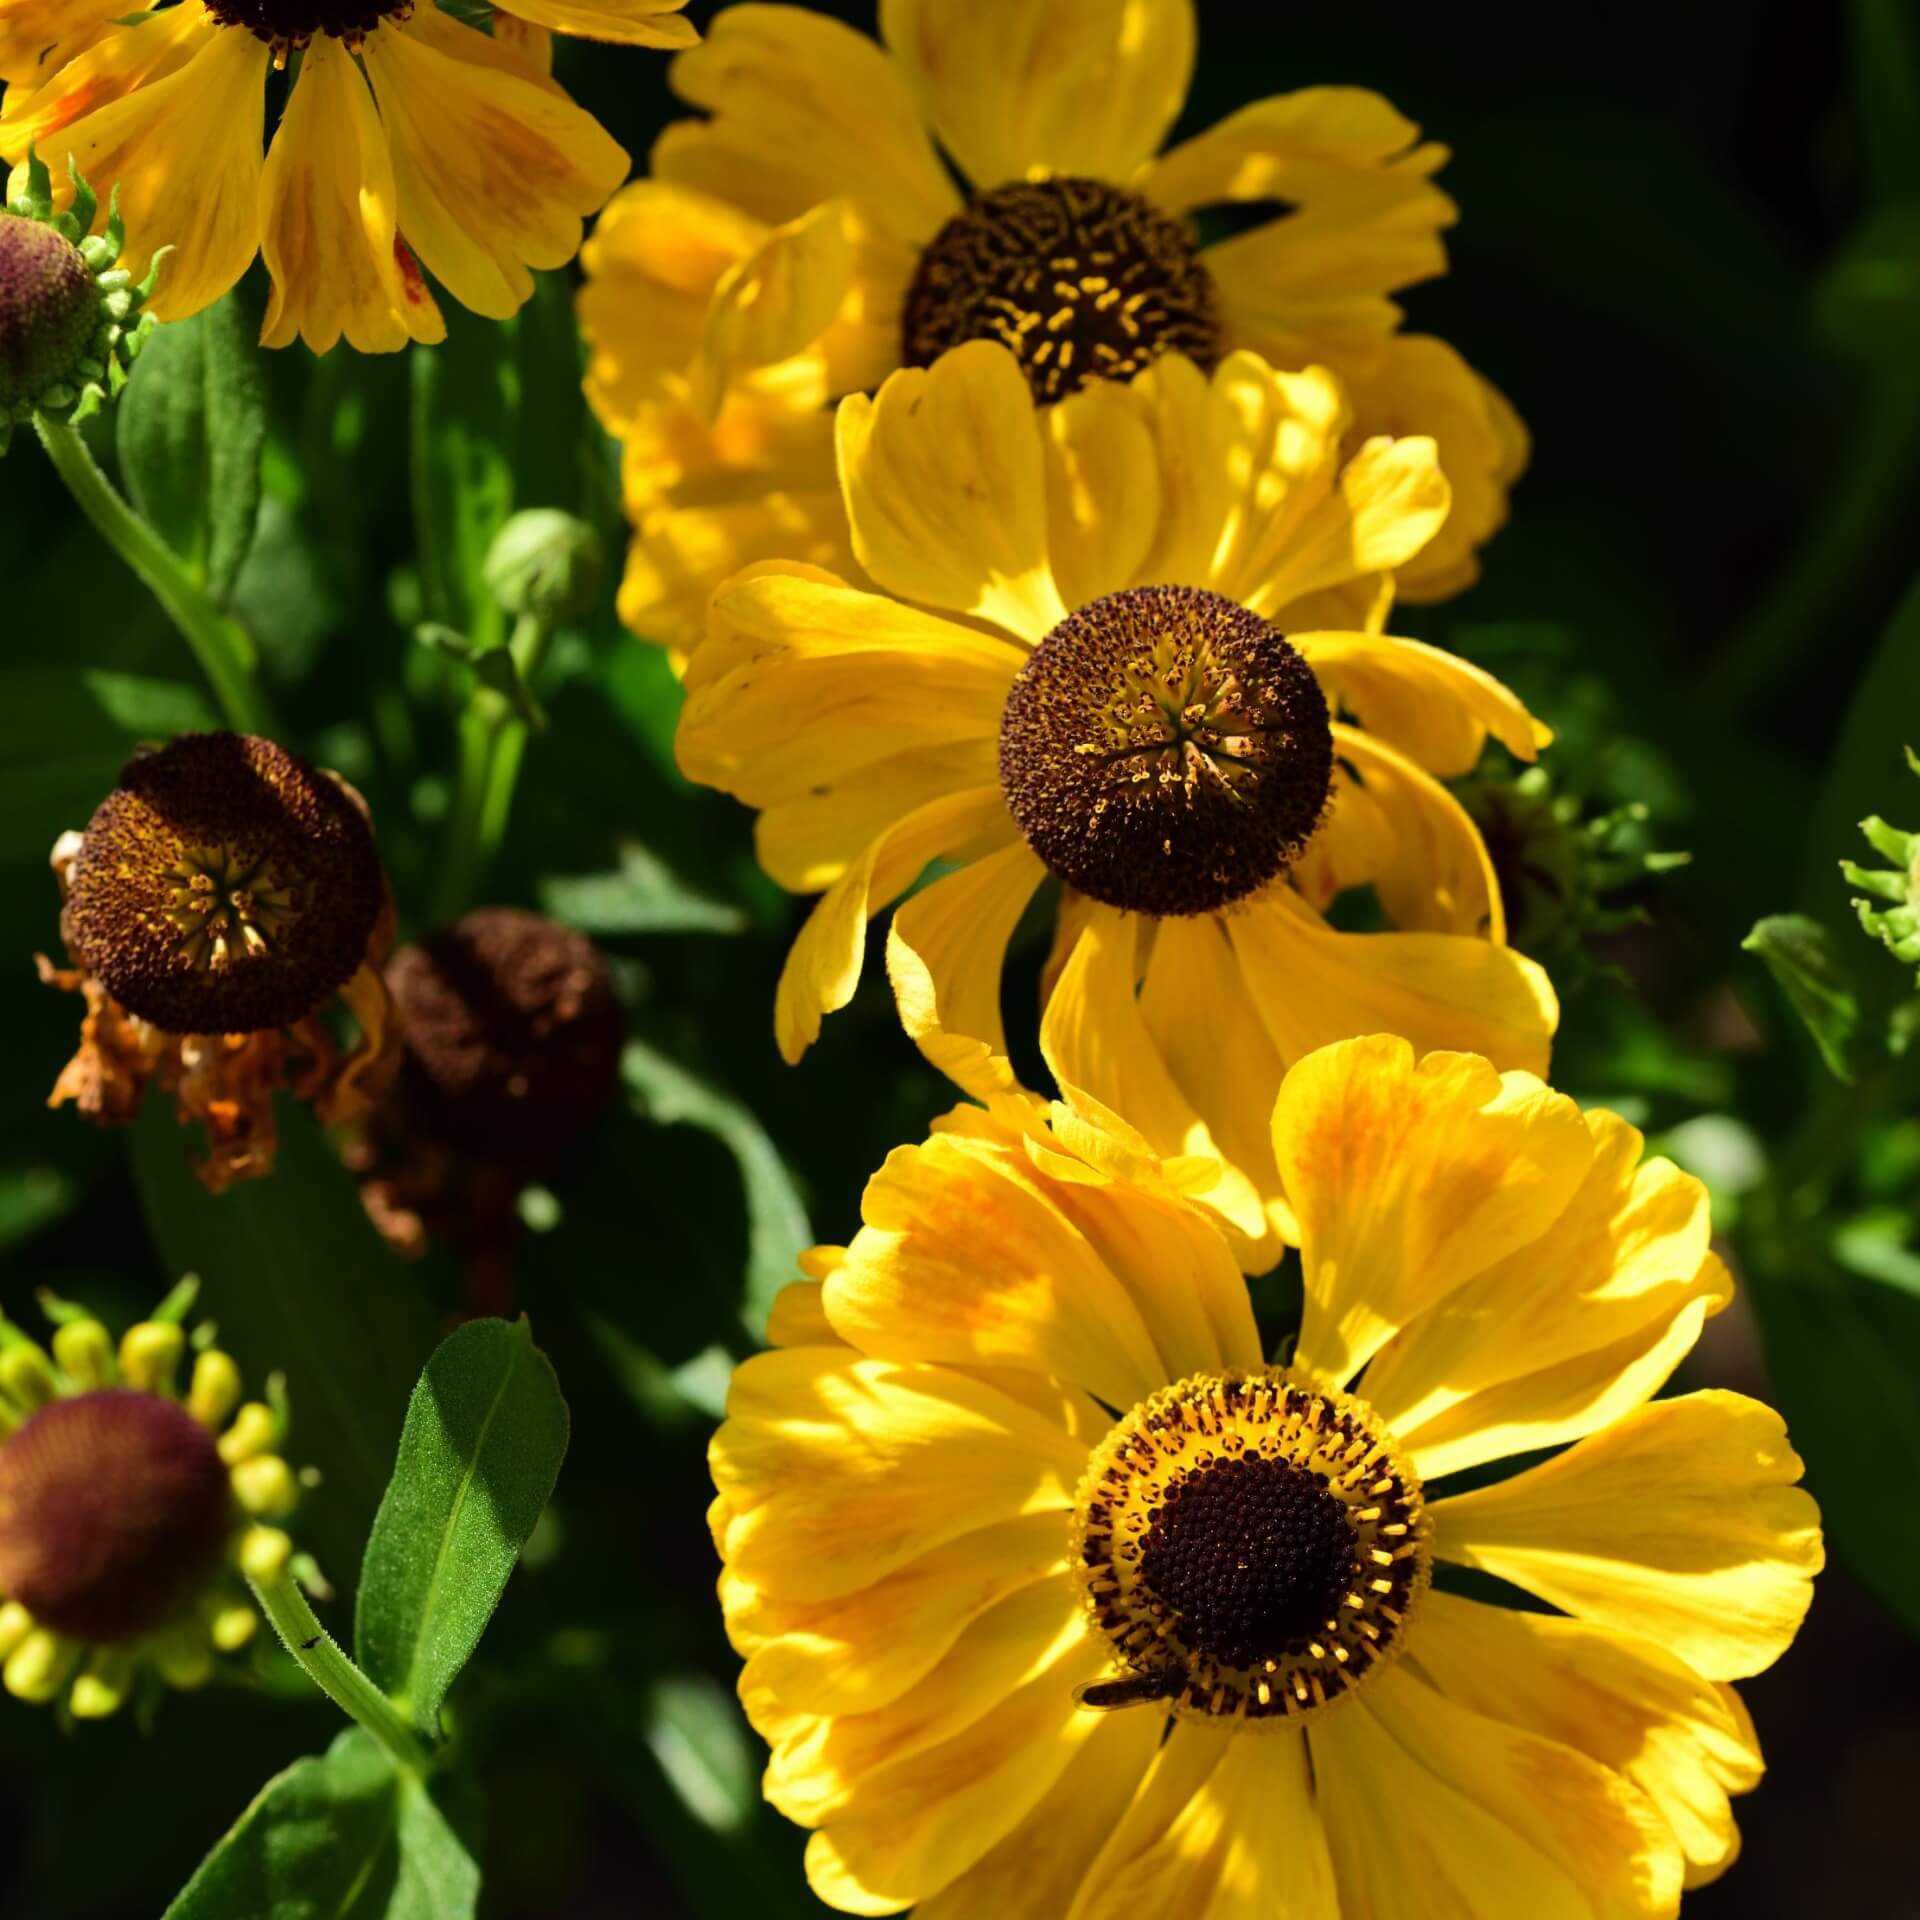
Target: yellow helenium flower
(135, 1490)
(1104, 693)
(408, 139)
(1057, 1599)
(806, 238)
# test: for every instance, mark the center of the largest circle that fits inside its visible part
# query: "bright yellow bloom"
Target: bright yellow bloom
(408, 139)
(1057, 1600)
(806, 238)
(135, 1490)
(1103, 693)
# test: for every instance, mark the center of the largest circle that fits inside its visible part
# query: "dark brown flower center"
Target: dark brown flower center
(1166, 751)
(285, 24)
(223, 887)
(114, 1510)
(1080, 280)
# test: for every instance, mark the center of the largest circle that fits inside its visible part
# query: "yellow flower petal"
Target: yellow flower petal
(1355, 843)
(1623, 1700)
(1415, 384)
(915, 1826)
(823, 966)
(1222, 1829)
(39, 37)
(1432, 1809)
(1103, 491)
(797, 1318)
(839, 1469)
(803, 679)
(183, 147)
(1408, 1179)
(967, 1258)
(803, 109)
(1096, 1043)
(1630, 1255)
(861, 1650)
(1434, 707)
(1436, 875)
(946, 490)
(495, 166)
(1040, 1865)
(945, 953)
(1084, 87)
(1680, 1522)
(628, 23)
(1312, 986)
(327, 220)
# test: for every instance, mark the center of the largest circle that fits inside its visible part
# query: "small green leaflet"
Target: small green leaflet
(1800, 954)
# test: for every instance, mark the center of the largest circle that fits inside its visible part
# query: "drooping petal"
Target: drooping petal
(328, 221)
(839, 1469)
(496, 168)
(859, 1650)
(803, 109)
(1103, 491)
(1622, 1699)
(946, 490)
(1681, 1521)
(1408, 1178)
(182, 146)
(1433, 706)
(945, 953)
(1085, 87)
(1432, 1809)
(823, 966)
(627, 23)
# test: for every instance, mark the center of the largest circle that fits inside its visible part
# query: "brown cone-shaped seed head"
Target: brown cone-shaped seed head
(114, 1511)
(49, 309)
(224, 886)
(513, 1035)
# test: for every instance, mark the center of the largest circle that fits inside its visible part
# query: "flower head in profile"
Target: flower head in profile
(1124, 644)
(1057, 1598)
(136, 1489)
(807, 237)
(408, 140)
(223, 895)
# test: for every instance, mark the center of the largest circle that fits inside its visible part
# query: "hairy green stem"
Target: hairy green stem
(493, 737)
(334, 1674)
(222, 646)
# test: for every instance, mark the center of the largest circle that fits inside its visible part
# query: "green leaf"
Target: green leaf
(777, 1226)
(342, 1837)
(485, 1435)
(297, 1280)
(1801, 955)
(191, 426)
(695, 1732)
(642, 895)
(493, 667)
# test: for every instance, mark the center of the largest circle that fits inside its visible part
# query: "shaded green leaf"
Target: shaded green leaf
(493, 667)
(191, 426)
(1800, 954)
(341, 1837)
(696, 1734)
(777, 1226)
(298, 1280)
(642, 895)
(486, 1432)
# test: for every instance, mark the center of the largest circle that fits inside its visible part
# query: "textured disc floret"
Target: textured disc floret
(1166, 751)
(1251, 1548)
(49, 309)
(1080, 280)
(284, 24)
(512, 1032)
(224, 886)
(115, 1508)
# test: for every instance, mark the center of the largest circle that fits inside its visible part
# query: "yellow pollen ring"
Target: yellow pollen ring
(226, 907)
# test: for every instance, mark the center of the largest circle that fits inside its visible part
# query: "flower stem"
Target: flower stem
(493, 736)
(222, 646)
(335, 1675)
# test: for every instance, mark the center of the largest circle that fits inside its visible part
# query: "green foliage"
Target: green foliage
(191, 425)
(1800, 954)
(486, 1432)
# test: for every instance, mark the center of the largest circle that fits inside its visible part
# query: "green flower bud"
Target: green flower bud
(1891, 911)
(70, 319)
(546, 563)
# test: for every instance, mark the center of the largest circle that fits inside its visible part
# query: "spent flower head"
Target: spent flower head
(71, 317)
(137, 1488)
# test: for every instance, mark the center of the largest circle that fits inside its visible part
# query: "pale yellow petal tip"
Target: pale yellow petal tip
(255, 1429)
(150, 1355)
(263, 1553)
(265, 1487)
(39, 1667)
(101, 1690)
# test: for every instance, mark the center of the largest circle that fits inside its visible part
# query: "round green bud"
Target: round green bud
(49, 312)
(546, 563)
